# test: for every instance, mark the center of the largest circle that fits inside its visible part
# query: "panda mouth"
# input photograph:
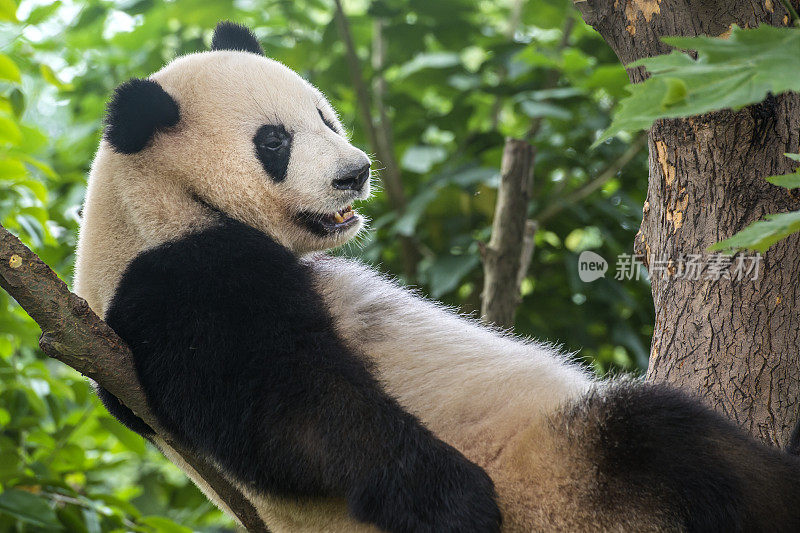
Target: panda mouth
(327, 223)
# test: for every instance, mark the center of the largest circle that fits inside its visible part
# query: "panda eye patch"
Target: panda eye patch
(273, 143)
(271, 138)
(273, 146)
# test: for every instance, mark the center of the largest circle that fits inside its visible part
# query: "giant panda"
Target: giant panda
(335, 398)
(214, 173)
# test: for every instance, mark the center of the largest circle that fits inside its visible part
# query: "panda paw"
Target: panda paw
(435, 492)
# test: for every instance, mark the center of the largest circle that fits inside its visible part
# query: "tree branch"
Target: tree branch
(73, 334)
(503, 255)
(378, 135)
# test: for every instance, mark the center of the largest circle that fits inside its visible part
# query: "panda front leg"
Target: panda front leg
(394, 472)
(240, 359)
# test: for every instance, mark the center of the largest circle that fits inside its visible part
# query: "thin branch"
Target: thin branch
(73, 334)
(588, 188)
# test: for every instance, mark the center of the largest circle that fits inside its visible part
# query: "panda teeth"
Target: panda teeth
(343, 214)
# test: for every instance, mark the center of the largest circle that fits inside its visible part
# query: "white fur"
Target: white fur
(452, 371)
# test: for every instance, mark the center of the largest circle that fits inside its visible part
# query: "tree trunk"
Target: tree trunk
(734, 342)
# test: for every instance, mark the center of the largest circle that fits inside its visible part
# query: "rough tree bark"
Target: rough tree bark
(76, 336)
(734, 343)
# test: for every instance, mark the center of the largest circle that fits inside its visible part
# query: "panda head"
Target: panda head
(231, 131)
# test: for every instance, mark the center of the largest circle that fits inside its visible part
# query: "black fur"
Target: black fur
(327, 122)
(273, 147)
(123, 414)
(137, 110)
(239, 358)
(655, 446)
(231, 36)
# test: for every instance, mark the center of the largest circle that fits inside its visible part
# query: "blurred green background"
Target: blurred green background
(459, 75)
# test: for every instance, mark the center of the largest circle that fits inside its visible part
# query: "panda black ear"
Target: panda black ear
(138, 109)
(231, 36)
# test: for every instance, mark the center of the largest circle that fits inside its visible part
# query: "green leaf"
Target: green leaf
(42, 13)
(9, 131)
(421, 159)
(676, 92)
(46, 169)
(406, 224)
(128, 438)
(8, 10)
(10, 464)
(29, 508)
(51, 78)
(119, 503)
(762, 234)
(429, 60)
(544, 109)
(610, 78)
(17, 100)
(36, 187)
(67, 458)
(555, 94)
(790, 181)
(11, 169)
(164, 525)
(573, 59)
(8, 69)
(728, 73)
(32, 139)
(72, 518)
(445, 274)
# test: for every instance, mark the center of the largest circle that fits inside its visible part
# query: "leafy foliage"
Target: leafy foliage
(790, 181)
(458, 79)
(762, 234)
(729, 72)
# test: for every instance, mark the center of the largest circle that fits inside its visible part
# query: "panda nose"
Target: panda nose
(352, 180)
